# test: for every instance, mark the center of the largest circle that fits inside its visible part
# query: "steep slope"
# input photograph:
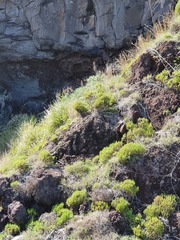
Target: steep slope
(104, 162)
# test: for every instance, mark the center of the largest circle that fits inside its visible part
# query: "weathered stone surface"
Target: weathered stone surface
(17, 213)
(34, 28)
(43, 186)
(87, 137)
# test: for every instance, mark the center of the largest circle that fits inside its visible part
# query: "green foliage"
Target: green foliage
(108, 152)
(78, 168)
(171, 80)
(35, 226)
(12, 229)
(32, 212)
(130, 151)
(14, 183)
(142, 129)
(162, 205)
(10, 132)
(99, 206)
(121, 205)
(20, 162)
(77, 198)
(45, 156)
(177, 8)
(129, 187)
(80, 107)
(63, 214)
(154, 228)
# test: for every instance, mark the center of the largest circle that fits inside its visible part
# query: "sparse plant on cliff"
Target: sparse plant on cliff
(45, 156)
(12, 229)
(129, 187)
(77, 198)
(108, 152)
(130, 151)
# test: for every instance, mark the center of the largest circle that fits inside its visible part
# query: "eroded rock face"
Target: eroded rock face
(43, 186)
(17, 213)
(87, 137)
(45, 45)
(38, 28)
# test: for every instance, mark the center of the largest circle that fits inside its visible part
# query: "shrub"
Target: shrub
(129, 187)
(80, 107)
(32, 212)
(63, 214)
(104, 100)
(154, 228)
(142, 128)
(166, 203)
(78, 168)
(77, 198)
(12, 229)
(152, 210)
(99, 206)
(170, 80)
(14, 183)
(20, 163)
(177, 8)
(107, 152)
(130, 151)
(45, 156)
(162, 205)
(35, 226)
(121, 205)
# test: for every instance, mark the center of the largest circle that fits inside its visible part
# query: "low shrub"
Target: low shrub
(154, 228)
(162, 205)
(77, 198)
(45, 156)
(63, 214)
(99, 206)
(129, 187)
(80, 107)
(108, 152)
(177, 8)
(12, 229)
(78, 168)
(142, 129)
(130, 151)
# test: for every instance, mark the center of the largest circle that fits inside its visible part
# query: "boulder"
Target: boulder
(17, 213)
(43, 186)
(86, 137)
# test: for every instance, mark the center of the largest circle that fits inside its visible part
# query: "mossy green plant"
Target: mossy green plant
(108, 152)
(130, 151)
(63, 214)
(154, 228)
(77, 198)
(45, 156)
(129, 187)
(177, 8)
(99, 206)
(12, 229)
(80, 107)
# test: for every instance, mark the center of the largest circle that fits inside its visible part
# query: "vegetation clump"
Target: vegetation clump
(63, 214)
(45, 156)
(77, 198)
(130, 151)
(129, 187)
(12, 229)
(99, 206)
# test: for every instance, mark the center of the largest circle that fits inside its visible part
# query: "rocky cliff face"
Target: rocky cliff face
(46, 43)
(38, 28)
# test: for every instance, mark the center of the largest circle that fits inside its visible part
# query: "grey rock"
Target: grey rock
(35, 29)
(17, 213)
(43, 186)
